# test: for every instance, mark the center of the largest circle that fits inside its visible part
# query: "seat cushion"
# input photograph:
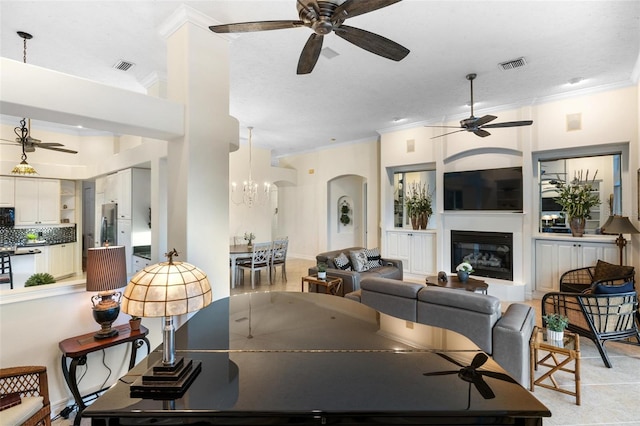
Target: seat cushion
(20, 413)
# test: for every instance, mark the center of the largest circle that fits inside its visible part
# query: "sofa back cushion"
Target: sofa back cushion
(392, 297)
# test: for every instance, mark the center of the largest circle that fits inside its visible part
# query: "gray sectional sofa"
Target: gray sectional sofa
(391, 268)
(504, 336)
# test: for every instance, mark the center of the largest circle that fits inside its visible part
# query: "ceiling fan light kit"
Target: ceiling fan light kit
(478, 124)
(324, 17)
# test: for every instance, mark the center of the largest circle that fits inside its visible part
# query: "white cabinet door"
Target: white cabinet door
(139, 263)
(415, 249)
(547, 274)
(399, 247)
(37, 201)
(124, 194)
(61, 260)
(7, 191)
(112, 188)
(124, 239)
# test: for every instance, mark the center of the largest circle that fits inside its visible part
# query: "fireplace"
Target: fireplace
(490, 253)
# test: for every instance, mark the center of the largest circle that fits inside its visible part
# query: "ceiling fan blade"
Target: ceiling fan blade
(46, 144)
(51, 148)
(15, 141)
(33, 140)
(483, 387)
(310, 54)
(374, 43)
(445, 134)
(485, 119)
(482, 133)
(440, 373)
(352, 8)
(246, 27)
(446, 127)
(510, 124)
(479, 360)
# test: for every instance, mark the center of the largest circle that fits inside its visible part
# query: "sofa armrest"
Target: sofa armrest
(511, 336)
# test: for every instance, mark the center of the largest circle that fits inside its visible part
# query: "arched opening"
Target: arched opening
(346, 212)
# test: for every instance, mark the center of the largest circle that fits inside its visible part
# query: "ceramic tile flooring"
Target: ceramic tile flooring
(610, 396)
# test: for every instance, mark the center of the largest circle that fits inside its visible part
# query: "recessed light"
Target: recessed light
(398, 119)
(576, 80)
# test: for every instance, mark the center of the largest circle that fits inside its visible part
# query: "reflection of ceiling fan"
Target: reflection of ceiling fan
(324, 17)
(477, 125)
(23, 133)
(471, 374)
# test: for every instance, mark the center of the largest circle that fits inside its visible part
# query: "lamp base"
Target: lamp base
(166, 381)
(104, 334)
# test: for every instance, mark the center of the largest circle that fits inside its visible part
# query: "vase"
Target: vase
(415, 222)
(463, 276)
(555, 336)
(250, 245)
(424, 220)
(577, 226)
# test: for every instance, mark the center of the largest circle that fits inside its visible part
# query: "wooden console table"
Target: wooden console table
(77, 348)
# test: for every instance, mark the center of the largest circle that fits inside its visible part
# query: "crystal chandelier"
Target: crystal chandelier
(251, 194)
(23, 168)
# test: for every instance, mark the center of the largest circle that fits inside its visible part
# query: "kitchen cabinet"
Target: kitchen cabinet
(139, 263)
(67, 201)
(7, 191)
(555, 257)
(124, 239)
(124, 183)
(37, 201)
(112, 188)
(61, 260)
(416, 249)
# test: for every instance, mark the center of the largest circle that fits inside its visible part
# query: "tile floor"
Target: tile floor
(610, 396)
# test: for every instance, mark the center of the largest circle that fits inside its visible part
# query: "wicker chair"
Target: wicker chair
(599, 317)
(28, 381)
(581, 279)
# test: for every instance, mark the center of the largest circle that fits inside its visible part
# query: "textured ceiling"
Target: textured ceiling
(354, 95)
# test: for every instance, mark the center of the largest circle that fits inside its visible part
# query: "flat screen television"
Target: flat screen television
(489, 189)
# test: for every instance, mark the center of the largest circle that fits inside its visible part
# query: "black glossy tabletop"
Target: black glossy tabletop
(306, 358)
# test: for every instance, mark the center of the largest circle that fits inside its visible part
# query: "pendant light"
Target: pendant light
(23, 168)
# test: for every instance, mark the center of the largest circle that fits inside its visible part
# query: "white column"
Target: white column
(198, 163)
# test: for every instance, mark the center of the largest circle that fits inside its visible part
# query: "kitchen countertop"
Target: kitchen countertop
(18, 251)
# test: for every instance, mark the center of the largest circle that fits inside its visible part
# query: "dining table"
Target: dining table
(236, 252)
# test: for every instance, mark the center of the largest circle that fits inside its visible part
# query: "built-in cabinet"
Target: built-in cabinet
(37, 201)
(555, 257)
(124, 239)
(416, 249)
(139, 263)
(57, 260)
(67, 201)
(7, 187)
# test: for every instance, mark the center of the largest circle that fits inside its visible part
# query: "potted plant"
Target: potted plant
(249, 237)
(40, 278)
(577, 198)
(322, 270)
(31, 238)
(134, 322)
(418, 203)
(556, 324)
(463, 270)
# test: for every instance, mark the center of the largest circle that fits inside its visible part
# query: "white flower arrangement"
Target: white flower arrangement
(249, 236)
(465, 266)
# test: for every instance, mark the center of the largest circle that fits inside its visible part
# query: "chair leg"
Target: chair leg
(603, 352)
(284, 272)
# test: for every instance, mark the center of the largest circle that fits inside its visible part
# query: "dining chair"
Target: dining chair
(260, 260)
(279, 257)
(6, 275)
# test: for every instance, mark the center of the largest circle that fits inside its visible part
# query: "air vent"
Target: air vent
(515, 63)
(123, 65)
(329, 53)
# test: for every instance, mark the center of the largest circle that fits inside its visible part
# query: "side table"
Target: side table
(559, 356)
(78, 347)
(332, 285)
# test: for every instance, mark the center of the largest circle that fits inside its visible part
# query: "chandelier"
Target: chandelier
(23, 168)
(252, 194)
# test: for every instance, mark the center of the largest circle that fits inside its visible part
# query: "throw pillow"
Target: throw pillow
(606, 271)
(342, 262)
(374, 258)
(9, 400)
(359, 260)
(613, 289)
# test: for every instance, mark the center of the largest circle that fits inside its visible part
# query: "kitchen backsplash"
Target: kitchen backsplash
(52, 235)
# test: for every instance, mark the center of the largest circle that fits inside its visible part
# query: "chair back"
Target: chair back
(6, 275)
(261, 254)
(279, 251)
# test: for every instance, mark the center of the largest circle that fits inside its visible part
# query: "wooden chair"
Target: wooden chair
(260, 259)
(27, 381)
(279, 257)
(599, 317)
(6, 275)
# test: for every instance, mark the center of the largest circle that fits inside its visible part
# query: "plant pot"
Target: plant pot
(424, 220)
(555, 336)
(135, 323)
(463, 276)
(415, 222)
(577, 226)
(322, 275)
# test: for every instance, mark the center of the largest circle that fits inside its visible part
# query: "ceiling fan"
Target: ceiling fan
(324, 17)
(471, 375)
(478, 125)
(29, 144)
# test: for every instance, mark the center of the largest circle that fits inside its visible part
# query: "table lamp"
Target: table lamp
(619, 225)
(106, 271)
(164, 290)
